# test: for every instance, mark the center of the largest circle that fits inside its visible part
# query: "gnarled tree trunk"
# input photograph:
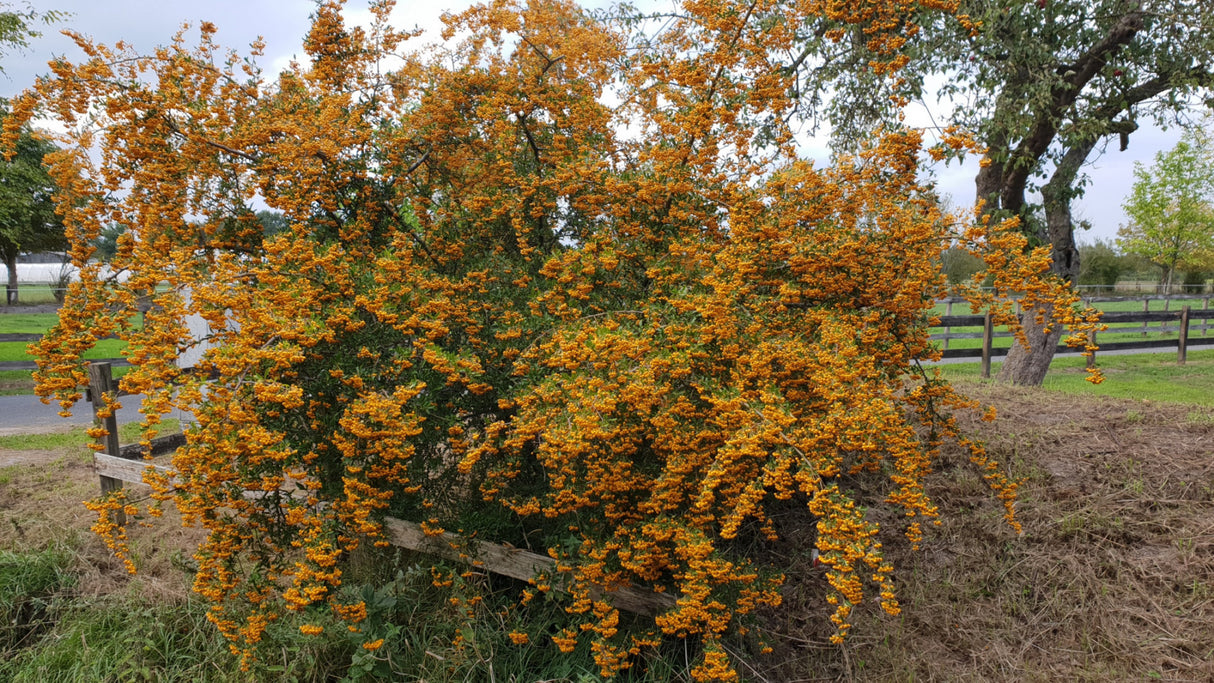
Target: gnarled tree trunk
(1027, 366)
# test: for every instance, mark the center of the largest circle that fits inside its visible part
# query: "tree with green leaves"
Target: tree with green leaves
(1042, 84)
(17, 25)
(27, 217)
(28, 222)
(1101, 264)
(1171, 210)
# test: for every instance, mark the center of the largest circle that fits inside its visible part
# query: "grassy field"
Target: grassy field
(75, 439)
(15, 382)
(32, 294)
(1146, 376)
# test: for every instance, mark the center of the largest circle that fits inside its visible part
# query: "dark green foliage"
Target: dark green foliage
(1100, 264)
(28, 222)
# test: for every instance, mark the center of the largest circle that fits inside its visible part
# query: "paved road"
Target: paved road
(27, 414)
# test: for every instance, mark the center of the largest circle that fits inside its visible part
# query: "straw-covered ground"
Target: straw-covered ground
(1112, 579)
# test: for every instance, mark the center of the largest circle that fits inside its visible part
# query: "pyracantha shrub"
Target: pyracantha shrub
(552, 276)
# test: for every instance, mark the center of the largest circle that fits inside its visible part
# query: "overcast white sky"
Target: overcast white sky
(147, 23)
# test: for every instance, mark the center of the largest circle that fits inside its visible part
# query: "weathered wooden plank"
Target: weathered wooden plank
(960, 321)
(1182, 346)
(101, 382)
(1104, 347)
(499, 559)
(1129, 346)
(123, 469)
(1139, 317)
(513, 562)
(988, 336)
(970, 335)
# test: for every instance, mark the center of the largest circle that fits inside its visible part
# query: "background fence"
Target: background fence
(1146, 328)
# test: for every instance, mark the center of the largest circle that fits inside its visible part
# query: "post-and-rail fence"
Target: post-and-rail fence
(1185, 322)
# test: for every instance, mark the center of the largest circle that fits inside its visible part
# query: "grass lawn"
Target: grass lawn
(14, 382)
(27, 323)
(76, 438)
(33, 294)
(1146, 376)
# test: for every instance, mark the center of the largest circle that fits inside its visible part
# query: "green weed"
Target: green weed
(30, 585)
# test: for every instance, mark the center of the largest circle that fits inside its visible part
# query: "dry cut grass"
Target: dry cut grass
(1112, 580)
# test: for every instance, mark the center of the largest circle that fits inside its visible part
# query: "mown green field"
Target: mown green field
(16, 382)
(34, 294)
(1143, 376)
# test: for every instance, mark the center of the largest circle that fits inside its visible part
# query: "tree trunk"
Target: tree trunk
(11, 288)
(1028, 366)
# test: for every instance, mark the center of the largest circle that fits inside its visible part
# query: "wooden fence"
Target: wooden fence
(1169, 322)
(118, 464)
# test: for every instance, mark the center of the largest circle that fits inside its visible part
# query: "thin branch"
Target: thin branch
(522, 122)
(211, 143)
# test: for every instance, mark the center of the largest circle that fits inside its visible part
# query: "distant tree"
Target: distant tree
(1194, 280)
(1171, 210)
(107, 241)
(959, 265)
(272, 222)
(28, 222)
(1101, 264)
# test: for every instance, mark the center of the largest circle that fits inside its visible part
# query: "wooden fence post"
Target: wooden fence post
(948, 331)
(988, 334)
(1146, 308)
(1205, 322)
(1092, 342)
(1183, 342)
(101, 382)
